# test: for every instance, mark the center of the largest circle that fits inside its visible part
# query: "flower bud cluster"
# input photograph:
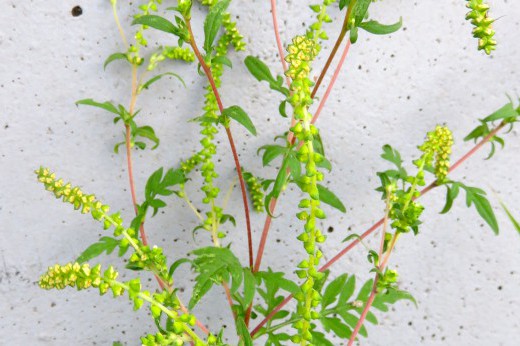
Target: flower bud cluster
(172, 53)
(316, 29)
(150, 258)
(81, 276)
(81, 201)
(438, 146)
(301, 51)
(161, 339)
(255, 190)
(209, 129)
(134, 50)
(483, 25)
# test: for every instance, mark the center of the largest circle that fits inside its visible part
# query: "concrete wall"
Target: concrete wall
(392, 90)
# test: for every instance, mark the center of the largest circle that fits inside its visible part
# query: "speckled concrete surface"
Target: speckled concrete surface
(392, 90)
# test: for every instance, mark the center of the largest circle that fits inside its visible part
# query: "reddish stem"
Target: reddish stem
(144, 239)
(209, 75)
(380, 222)
(332, 82)
(279, 40)
(364, 314)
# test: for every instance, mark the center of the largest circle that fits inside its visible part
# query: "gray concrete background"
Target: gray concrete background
(393, 90)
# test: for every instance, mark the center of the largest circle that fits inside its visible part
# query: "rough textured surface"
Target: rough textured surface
(392, 90)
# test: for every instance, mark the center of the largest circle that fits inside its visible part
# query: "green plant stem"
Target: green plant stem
(378, 224)
(211, 81)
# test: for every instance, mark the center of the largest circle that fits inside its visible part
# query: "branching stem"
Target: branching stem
(380, 222)
(211, 80)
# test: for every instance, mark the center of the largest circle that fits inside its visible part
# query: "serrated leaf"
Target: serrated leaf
(320, 339)
(113, 57)
(105, 244)
(335, 324)
(157, 22)
(377, 28)
(347, 290)
(158, 77)
(333, 290)
(328, 197)
(103, 105)
(238, 114)
(213, 23)
(392, 155)
(214, 265)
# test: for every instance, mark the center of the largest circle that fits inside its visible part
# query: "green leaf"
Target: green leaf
(157, 22)
(360, 10)
(213, 23)
(515, 223)
(104, 105)
(113, 57)
(176, 265)
(271, 152)
(249, 286)
(332, 290)
(477, 197)
(147, 132)
(479, 131)
(392, 155)
(243, 333)
(320, 339)
(156, 78)
(222, 60)
(295, 166)
(343, 4)
(506, 112)
(335, 324)
(377, 28)
(451, 194)
(238, 114)
(347, 290)
(282, 108)
(391, 296)
(262, 73)
(105, 244)
(214, 265)
(328, 197)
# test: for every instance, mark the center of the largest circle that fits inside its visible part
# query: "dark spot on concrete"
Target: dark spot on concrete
(76, 11)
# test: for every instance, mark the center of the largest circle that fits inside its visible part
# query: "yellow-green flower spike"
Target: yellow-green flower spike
(255, 191)
(81, 276)
(437, 147)
(302, 52)
(483, 25)
(172, 53)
